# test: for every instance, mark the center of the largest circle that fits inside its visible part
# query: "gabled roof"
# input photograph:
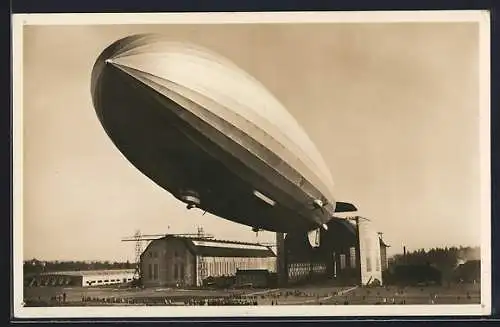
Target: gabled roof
(221, 248)
(90, 272)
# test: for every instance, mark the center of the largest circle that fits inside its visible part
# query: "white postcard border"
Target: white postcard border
(480, 17)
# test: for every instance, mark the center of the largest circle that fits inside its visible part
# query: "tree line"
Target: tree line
(449, 261)
(35, 266)
(441, 257)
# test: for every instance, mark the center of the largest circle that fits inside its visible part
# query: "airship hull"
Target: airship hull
(200, 157)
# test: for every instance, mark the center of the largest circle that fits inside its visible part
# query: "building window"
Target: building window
(342, 261)
(368, 264)
(175, 272)
(155, 271)
(377, 265)
(352, 257)
(182, 271)
(150, 271)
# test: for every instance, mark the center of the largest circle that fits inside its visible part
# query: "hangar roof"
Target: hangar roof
(90, 272)
(221, 248)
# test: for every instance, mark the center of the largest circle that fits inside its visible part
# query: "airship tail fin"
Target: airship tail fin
(345, 207)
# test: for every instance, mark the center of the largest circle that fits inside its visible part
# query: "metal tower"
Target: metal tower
(202, 267)
(138, 252)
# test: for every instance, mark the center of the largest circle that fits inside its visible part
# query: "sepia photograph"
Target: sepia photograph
(251, 164)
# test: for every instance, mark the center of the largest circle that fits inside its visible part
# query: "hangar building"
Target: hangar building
(187, 261)
(350, 251)
(82, 278)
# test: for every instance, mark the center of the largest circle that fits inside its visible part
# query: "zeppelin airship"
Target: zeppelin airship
(211, 135)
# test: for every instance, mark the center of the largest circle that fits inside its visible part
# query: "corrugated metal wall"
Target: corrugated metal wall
(220, 266)
(300, 271)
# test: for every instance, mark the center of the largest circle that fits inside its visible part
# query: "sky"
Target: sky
(393, 109)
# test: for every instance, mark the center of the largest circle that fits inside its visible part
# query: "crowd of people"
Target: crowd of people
(271, 298)
(192, 301)
(388, 295)
(227, 300)
(108, 300)
(59, 298)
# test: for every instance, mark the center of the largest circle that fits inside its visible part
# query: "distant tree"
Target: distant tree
(35, 266)
(445, 259)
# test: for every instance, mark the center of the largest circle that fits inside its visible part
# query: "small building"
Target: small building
(82, 278)
(469, 272)
(185, 261)
(252, 278)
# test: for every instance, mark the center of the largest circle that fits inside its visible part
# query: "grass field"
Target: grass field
(306, 295)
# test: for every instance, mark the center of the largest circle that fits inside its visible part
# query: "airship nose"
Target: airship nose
(216, 129)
